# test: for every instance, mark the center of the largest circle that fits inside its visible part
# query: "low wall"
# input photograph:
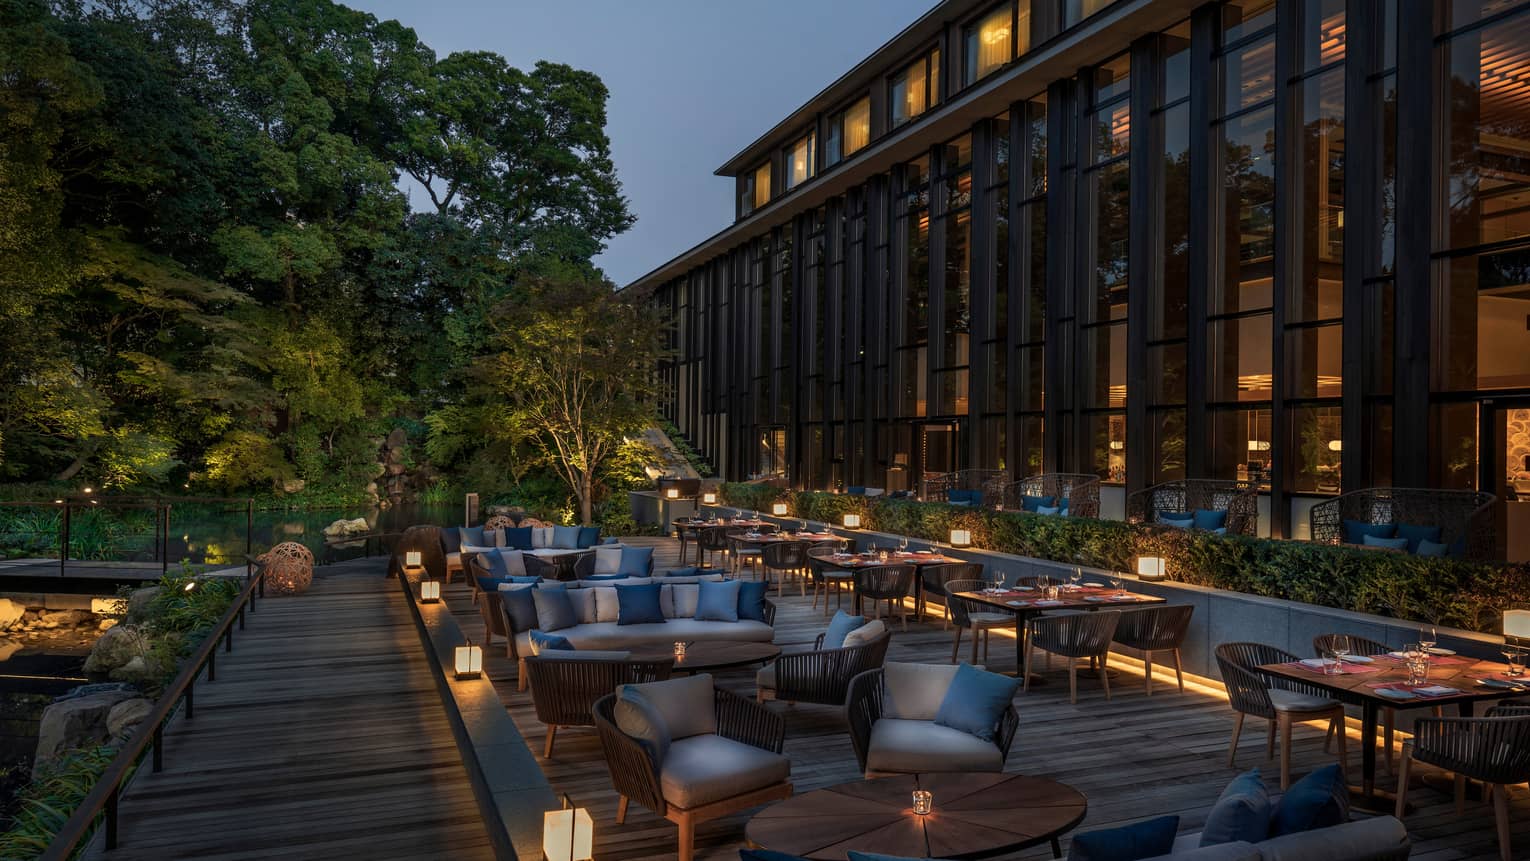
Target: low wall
(651, 509)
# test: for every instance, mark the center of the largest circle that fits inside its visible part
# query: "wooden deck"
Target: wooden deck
(323, 737)
(1133, 757)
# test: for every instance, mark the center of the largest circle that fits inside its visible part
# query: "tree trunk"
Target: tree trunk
(586, 499)
(73, 469)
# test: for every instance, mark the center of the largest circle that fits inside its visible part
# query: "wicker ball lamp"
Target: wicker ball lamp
(289, 569)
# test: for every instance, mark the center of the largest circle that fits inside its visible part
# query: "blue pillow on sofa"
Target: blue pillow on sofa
(1319, 800)
(555, 611)
(451, 540)
(1031, 503)
(1050, 510)
(1242, 813)
(766, 855)
(1177, 519)
(717, 601)
(472, 535)
(1355, 531)
(1417, 535)
(543, 642)
(1204, 518)
(636, 561)
(565, 537)
(690, 571)
(1432, 548)
(639, 605)
(839, 627)
(751, 600)
(1147, 839)
(589, 536)
(517, 538)
(519, 606)
(975, 701)
(1389, 543)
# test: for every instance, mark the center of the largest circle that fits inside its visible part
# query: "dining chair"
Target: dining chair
(826, 577)
(1282, 702)
(886, 583)
(683, 534)
(1365, 647)
(710, 541)
(967, 614)
(1494, 750)
(1073, 636)
(934, 579)
(745, 553)
(785, 559)
(1156, 629)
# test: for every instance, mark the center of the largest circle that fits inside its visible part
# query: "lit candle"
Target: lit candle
(924, 802)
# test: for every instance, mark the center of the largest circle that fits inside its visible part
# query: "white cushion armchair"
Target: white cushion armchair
(892, 716)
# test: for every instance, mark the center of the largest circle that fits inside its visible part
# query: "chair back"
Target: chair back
(1322, 644)
(962, 608)
(491, 608)
(1510, 709)
(1490, 749)
(785, 555)
(1247, 691)
(565, 690)
(634, 771)
(713, 538)
(885, 581)
(936, 577)
(1155, 628)
(1076, 635)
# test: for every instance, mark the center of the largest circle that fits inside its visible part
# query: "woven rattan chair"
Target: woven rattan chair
(863, 708)
(1494, 750)
(972, 615)
(785, 559)
(710, 541)
(744, 552)
(584, 565)
(1240, 499)
(934, 579)
(1073, 636)
(1080, 490)
(886, 583)
(1282, 702)
(564, 689)
(1323, 644)
(635, 775)
(1465, 517)
(684, 533)
(1156, 629)
(821, 676)
(826, 577)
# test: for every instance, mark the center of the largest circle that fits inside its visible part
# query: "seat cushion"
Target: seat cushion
(717, 601)
(907, 746)
(1242, 813)
(1295, 701)
(1177, 519)
(1319, 800)
(915, 691)
(687, 704)
(454, 559)
(840, 626)
(975, 701)
(1425, 548)
(1239, 851)
(609, 635)
(1031, 503)
(1417, 535)
(991, 619)
(1355, 531)
(639, 605)
(1128, 843)
(702, 769)
(1205, 518)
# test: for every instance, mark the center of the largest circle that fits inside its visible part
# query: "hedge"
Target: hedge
(1452, 592)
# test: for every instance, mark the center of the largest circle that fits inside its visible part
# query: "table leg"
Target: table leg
(1366, 796)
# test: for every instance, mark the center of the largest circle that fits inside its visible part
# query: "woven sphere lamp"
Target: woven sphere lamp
(289, 569)
(499, 521)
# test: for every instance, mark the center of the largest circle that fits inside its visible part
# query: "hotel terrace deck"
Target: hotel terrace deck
(1133, 757)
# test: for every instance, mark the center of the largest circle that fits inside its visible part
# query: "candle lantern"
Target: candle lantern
(924, 802)
(1151, 568)
(469, 660)
(852, 521)
(430, 591)
(679, 650)
(961, 538)
(568, 834)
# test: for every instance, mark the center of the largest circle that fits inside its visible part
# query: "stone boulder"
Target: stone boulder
(342, 527)
(138, 604)
(68, 618)
(9, 648)
(10, 612)
(127, 715)
(76, 722)
(135, 671)
(115, 649)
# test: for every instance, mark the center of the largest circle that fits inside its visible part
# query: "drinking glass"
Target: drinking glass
(1117, 583)
(902, 545)
(1516, 660)
(998, 582)
(1340, 652)
(1427, 637)
(1418, 668)
(1076, 576)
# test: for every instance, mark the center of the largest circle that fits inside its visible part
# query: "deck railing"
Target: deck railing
(102, 801)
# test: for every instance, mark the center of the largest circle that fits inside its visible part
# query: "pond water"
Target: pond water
(219, 535)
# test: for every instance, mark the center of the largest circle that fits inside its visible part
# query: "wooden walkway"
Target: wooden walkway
(1134, 757)
(323, 737)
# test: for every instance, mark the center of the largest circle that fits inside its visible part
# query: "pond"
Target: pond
(212, 535)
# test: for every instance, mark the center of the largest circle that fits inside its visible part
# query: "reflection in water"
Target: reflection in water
(218, 536)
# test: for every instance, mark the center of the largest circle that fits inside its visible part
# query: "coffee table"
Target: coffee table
(974, 816)
(709, 655)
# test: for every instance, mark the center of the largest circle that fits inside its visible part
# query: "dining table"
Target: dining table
(1381, 681)
(693, 527)
(1026, 602)
(920, 559)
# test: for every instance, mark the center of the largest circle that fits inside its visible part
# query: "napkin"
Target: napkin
(1317, 663)
(1093, 598)
(1501, 683)
(1048, 602)
(1435, 691)
(1394, 694)
(1358, 659)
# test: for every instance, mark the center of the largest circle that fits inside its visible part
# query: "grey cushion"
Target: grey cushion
(916, 745)
(454, 560)
(702, 769)
(608, 558)
(865, 633)
(1380, 839)
(609, 635)
(986, 618)
(914, 691)
(555, 611)
(576, 655)
(639, 718)
(687, 704)
(1219, 852)
(1293, 701)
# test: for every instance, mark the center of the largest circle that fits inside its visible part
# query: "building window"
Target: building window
(989, 43)
(1075, 11)
(916, 89)
(849, 131)
(798, 161)
(758, 193)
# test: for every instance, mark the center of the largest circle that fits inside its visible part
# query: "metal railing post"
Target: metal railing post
(63, 544)
(111, 818)
(212, 665)
(159, 747)
(191, 706)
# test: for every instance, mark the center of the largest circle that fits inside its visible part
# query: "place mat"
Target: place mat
(1344, 669)
(1429, 691)
(1499, 681)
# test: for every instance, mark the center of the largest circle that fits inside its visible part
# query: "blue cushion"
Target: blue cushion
(493, 563)
(1176, 519)
(691, 571)
(610, 540)
(1064, 506)
(589, 536)
(856, 490)
(1319, 800)
(854, 855)
(1205, 518)
(1031, 503)
(1049, 509)
(491, 584)
(565, 537)
(636, 561)
(543, 642)
(1431, 548)
(765, 855)
(638, 605)
(959, 497)
(604, 577)
(751, 600)
(840, 626)
(518, 538)
(975, 701)
(1417, 535)
(1147, 839)
(1355, 531)
(473, 535)
(717, 601)
(1242, 813)
(520, 607)
(554, 609)
(1391, 543)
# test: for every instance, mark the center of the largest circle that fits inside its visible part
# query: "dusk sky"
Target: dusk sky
(691, 83)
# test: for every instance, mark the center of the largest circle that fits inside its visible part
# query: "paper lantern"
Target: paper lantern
(1516, 624)
(469, 660)
(852, 521)
(778, 509)
(430, 591)
(412, 559)
(709, 498)
(568, 835)
(672, 493)
(961, 538)
(1150, 568)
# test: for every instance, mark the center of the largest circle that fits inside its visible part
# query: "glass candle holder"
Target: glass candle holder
(924, 802)
(679, 650)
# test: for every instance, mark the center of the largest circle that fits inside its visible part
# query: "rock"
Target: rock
(293, 485)
(106, 624)
(116, 648)
(395, 469)
(10, 612)
(8, 648)
(29, 616)
(126, 715)
(138, 604)
(66, 617)
(397, 438)
(135, 670)
(76, 722)
(371, 487)
(358, 526)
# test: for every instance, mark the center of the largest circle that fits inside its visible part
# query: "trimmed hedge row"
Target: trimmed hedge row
(1452, 592)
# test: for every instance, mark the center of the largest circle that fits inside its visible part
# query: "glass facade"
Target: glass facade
(848, 131)
(916, 89)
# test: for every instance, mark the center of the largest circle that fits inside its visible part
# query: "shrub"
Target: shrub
(45, 804)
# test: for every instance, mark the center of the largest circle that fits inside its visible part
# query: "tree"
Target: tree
(575, 362)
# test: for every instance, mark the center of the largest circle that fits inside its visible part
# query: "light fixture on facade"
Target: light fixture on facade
(961, 538)
(1336, 445)
(430, 591)
(568, 834)
(709, 498)
(1151, 568)
(778, 509)
(852, 521)
(672, 493)
(469, 660)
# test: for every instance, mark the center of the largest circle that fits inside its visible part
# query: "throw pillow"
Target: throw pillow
(544, 642)
(1431, 548)
(541, 537)
(1049, 509)
(1319, 800)
(854, 855)
(1417, 535)
(511, 562)
(718, 601)
(1031, 503)
(473, 549)
(554, 609)
(1205, 518)
(864, 634)
(688, 705)
(975, 701)
(914, 691)
(473, 535)
(565, 537)
(1355, 531)
(842, 624)
(608, 559)
(494, 537)
(692, 571)
(751, 600)
(1175, 519)
(605, 578)
(639, 605)
(637, 561)
(489, 562)
(1147, 839)
(1241, 814)
(451, 540)
(765, 855)
(855, 490)
(519, 606)
(1389, 543)
(640, 719)
(517, 539)
(589, 536)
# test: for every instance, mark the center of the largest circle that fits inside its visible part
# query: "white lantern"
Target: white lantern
(568, 834)
(709, 498)
(1516, 624)
(961, 538)
(1150, 567)
(469, 660)
(852, 521)
(412, 559)
(672, 493)
(430, 591)
(778, 509)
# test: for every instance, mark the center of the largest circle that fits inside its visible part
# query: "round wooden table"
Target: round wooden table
(974, 816)
(709, 655)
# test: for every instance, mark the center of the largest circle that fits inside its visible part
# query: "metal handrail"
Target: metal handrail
(160, 505)
(104, 796)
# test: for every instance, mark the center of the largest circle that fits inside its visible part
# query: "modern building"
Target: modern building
(1286, 242)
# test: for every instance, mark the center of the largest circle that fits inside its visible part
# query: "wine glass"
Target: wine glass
(998, 582)
(1118, 584)
(1076, 576)
(1515, 658)
(1340, 649)
(902, 545)
(1427, 638)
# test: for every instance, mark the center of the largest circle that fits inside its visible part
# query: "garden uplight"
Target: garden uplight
(568, 834)
(430, 591)
(1150, 568)
(412, 559)
(778, 509)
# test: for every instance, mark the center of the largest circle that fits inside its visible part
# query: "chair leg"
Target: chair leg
(521, 681)
(1232, 749)
(1179, 671)
(1404, 764)
(956, 645)
(687, 840)
(552, 733)
(1388, 722)
(1501, 816)
(1342, 740)
(1269, 743)
(1460, 795)
(1105, 675)
(977, 634)
(1147, 672)
(1056, 848)
(1073, 681)
(621, 810)
(1285, 751)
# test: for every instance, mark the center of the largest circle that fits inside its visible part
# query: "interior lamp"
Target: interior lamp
(709, 498)
(778, 509)
(961, 538)
(568, 834)
(672, 493)
(1151, 568)
(852, 521)
(1516, 625)
(469, 660)
(1336, 445)
(412, 559)
(430, 591)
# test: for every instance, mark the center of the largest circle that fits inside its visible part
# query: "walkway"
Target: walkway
(323, 736)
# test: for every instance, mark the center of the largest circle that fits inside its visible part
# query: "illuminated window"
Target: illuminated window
(760, 185)
(990, 43)
(797, 165)
(916, 88)
(849, 130)
(1075, 11)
